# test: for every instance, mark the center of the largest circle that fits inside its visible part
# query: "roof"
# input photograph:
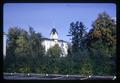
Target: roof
(53, 40)
(54, 30)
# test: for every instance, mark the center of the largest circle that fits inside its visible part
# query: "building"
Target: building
(47, 43)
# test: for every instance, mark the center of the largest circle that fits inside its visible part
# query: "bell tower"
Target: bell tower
(54, 34)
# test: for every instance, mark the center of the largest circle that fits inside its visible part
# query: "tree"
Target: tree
(86, 66)
(35, 43)
(77, 31)
(104, 31)
(13, 35)
(102, 44)
(54, 51)
(69, 55)
(37, 51)
(24, 50)
(22, 54)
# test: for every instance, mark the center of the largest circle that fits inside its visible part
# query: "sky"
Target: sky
(45, 16)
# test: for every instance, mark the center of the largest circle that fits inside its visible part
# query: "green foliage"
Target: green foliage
(77, 31)
(102, 44)
(92, 52)
(99, 44)
(35, 39)
(54, 51)
(23, 48)
(24, 69)
(86, 67)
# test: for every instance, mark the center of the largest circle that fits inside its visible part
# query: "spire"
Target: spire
(53, 28)
(53, 33)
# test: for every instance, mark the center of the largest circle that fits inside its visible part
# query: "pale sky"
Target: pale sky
(44, 16)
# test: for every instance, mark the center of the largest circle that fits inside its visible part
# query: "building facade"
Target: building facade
(47, 43)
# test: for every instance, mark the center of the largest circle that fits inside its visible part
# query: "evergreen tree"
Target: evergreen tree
(78, 32)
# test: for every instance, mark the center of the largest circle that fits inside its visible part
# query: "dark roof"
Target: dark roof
(53, 39)
(46, 39)
(54, 30)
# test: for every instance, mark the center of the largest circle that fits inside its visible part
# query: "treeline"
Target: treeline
(92, 52)
(95, 50)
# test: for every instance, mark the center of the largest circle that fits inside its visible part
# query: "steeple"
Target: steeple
(54, 34)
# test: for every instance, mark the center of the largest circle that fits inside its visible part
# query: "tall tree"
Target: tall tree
(77, 31)
(104, 31)
(102, 43)
(35, 43)
(37, 51)
(13, 35)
